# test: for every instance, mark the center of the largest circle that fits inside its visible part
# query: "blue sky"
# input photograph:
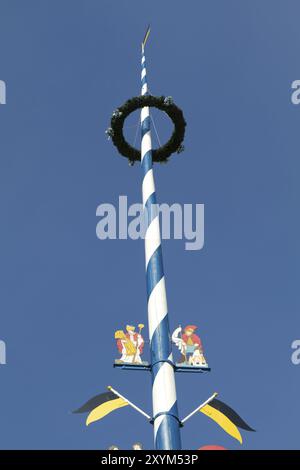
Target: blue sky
(64, 292)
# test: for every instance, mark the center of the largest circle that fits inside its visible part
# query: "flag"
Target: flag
(101, 405)
(226, 417)
(146, 36)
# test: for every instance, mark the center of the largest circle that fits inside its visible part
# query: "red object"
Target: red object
(119, 345)
(191, 327)
(212, 447)
(195, 338)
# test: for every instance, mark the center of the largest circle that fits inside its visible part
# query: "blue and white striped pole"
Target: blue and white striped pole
(165, 412)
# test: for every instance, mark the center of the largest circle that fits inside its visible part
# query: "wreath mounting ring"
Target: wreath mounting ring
(166, 104)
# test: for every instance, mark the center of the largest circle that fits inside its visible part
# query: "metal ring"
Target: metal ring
(168, 414)
(163, 360)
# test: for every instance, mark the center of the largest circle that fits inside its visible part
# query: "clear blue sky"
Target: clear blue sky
(67, 65)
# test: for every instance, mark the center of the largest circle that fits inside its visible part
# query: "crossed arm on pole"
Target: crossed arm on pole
(139, 410)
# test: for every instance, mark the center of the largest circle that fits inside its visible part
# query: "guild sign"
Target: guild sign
(130, 345)
(190, 347)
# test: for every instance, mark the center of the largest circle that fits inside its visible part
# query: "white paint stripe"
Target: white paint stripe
(145, 113)
(148, 187)
(160, 418)
(152, 239)
(146, 143)
(164, 381)
(157, 423)
(143, 74)
(143, 59)
(157, 306)
(144, 89)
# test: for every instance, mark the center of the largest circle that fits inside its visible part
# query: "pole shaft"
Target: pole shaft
(165, 412)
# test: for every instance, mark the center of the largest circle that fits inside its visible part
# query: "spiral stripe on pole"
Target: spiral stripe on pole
(165, 412)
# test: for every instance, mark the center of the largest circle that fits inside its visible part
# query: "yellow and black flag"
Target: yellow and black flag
(101, 405)
(226, 417)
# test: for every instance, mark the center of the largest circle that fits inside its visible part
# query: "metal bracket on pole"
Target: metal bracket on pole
(192, 369)
(148, 367)
(132, 366)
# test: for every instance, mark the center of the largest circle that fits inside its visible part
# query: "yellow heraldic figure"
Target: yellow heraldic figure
(226, 417)
(130, 349)
(130, 345)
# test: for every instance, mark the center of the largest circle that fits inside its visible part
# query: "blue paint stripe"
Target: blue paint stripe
(147, 162)
(150, 210)
(160, 345)
(167, 436)
(174, 409)
(144, 80)
(145, 126)
(155, 270)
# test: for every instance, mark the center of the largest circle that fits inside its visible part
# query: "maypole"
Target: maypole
(165, 412)
(130, 343)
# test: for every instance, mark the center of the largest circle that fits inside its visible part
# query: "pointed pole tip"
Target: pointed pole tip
(146, 37)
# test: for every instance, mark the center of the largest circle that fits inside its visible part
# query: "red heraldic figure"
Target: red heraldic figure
(190, 338)
(190, 346)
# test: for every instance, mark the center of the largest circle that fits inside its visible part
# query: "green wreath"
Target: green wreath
(163, 103)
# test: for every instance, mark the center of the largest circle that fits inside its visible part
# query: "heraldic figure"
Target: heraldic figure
(190, 347)
(130, 345)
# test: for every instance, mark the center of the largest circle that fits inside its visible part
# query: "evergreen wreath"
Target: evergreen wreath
(163, 103)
